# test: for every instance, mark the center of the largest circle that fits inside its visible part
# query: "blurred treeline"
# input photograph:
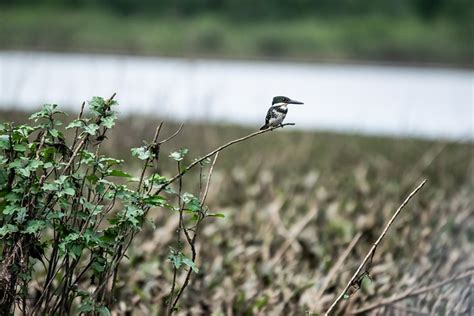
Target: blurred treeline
(407, 31)
(458, 11)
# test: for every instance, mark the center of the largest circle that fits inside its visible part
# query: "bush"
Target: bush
(68, 214)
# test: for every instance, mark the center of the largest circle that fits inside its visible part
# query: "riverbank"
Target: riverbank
(402, 39)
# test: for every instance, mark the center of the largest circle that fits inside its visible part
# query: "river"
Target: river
(380, 100)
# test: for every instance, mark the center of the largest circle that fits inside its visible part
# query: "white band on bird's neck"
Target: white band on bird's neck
(280, 104)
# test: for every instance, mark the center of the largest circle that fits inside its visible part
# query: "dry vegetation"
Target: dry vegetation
(294, 203)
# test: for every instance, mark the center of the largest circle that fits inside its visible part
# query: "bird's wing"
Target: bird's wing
(269, 115)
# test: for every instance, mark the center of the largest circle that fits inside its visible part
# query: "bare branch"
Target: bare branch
(172, 136)
(206, 189)
(413, 292)
(371, 252)
(218, 149)
(145, 165)
(192, 242)
(83, 141)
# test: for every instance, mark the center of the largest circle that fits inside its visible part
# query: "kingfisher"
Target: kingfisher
(277, 112)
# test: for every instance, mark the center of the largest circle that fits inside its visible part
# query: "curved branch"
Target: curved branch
(172, 136)
(215, 151)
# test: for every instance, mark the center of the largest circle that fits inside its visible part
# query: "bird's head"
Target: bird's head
(282, 100)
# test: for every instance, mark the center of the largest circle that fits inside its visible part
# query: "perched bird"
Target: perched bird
(277, 112)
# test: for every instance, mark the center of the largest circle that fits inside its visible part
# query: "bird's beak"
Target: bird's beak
(295, 102)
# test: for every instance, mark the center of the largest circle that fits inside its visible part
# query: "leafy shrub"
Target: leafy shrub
(68, 214)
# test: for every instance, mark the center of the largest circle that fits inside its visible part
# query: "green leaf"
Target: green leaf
(54, 132)
(4, 142)
(100, 187)
(69, 191)
(13, 197)
(133, 215)
(75, 123)
(110, 161)
(91, 237)
(34, 164)
(34, 226)
(155, 200)
(20, 148)
(61, 180)
(190, 264)
(91, 129)
(24, 172)
(50, 186)
(97, 105)
(118, 173)
(109, 121)
(55, 215)
(21, 133)
(86, 307)
(178, 259)
(46, 112)
(103, 311)
(92, 178)
(70, 245)
(157, 179)
(98, 265)
(17, 163)
(179, 155)
(18, 212)
(7, 229)
(141, 153)
(192, 203)
(12, 209)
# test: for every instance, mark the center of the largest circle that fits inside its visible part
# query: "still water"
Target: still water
(386, 100)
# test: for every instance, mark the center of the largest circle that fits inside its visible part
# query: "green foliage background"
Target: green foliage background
(418, 31)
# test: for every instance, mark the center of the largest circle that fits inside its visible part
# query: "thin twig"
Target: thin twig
(218, 149)
(79, 117)
(371, 252)
(83, 141)
(192, 242)
(335, 268)
(174, 134)
(206, 189)
(145, 165)
(171, 304)
(413, 292)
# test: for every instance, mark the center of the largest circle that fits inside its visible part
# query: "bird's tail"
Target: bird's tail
(263, 127)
